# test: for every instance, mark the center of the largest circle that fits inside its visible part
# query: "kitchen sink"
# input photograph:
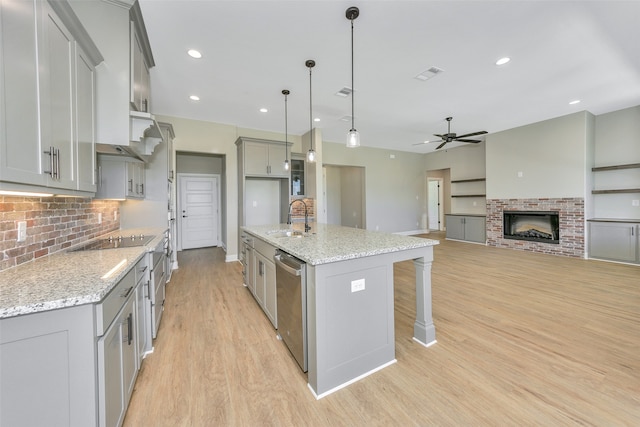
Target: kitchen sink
(288, 233)
(115, 243)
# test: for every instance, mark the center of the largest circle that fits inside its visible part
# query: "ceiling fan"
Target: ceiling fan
(450, 137)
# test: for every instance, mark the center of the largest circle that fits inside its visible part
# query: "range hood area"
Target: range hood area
(145, 135)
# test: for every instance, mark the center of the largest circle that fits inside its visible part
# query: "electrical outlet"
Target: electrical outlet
(22, 231)
(357, 285)
(99, 217)
(635, 203)
(115, 215)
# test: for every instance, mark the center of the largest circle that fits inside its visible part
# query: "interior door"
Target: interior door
(434, 204)
(198, 211)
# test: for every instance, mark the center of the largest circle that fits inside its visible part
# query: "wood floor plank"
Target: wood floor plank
(523, 339)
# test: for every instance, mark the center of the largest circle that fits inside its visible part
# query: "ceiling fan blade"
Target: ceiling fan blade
(426, 142)
(468, 140)
(482, 132)
(440, 136)
(441, 145)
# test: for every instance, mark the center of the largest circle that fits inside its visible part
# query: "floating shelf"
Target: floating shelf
(620, 191)
(468, 195)
(612, 168)
(468, 180)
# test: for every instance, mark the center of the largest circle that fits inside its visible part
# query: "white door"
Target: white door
(434, 204)
(198, 211)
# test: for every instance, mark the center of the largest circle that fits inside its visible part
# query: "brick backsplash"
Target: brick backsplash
(53, 224)
(297, 210)
(571, 213)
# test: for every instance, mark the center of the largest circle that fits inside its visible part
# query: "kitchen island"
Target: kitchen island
(350, 303)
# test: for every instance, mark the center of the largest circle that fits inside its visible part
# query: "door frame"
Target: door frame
(180, 177)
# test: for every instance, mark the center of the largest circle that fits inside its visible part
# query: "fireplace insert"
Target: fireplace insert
(536, 226)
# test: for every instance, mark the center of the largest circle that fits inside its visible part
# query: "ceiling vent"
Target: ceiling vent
(428, 74)
(344, 92)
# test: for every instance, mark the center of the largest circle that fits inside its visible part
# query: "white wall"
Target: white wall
(550, 156)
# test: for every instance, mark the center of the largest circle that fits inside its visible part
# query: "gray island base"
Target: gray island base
(350, 302)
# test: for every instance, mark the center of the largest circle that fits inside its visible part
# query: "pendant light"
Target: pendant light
(286, 92)
(353, 137)
(311, 155)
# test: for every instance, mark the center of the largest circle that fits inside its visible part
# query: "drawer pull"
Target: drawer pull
(126, 293)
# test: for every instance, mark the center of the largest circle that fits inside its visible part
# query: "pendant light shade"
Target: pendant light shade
(286, 92)
(353, 137)
(311, 154)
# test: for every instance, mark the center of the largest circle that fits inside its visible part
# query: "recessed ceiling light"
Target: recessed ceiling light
(263, 110)
(574, 102)
(317, 119)
(194, 98)
(503, 61)
(427, 74)
(194, 53)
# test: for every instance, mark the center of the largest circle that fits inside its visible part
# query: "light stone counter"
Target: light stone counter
(66, 279)
(331, 243)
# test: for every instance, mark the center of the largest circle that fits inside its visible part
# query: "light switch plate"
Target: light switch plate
(22, 231)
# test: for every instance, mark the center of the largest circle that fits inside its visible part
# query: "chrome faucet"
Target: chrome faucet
(307, 227)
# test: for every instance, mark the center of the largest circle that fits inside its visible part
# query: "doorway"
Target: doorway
(435, 204)
(198, 210)
(344, 195)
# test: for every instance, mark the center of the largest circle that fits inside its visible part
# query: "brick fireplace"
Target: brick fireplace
(571, 225)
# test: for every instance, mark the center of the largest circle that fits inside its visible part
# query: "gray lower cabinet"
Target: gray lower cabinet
(73, 367)
(47, 365)
(470, 228)
(264, 287)
(615, 241)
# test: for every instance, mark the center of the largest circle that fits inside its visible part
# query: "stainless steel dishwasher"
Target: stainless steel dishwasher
(291, 293)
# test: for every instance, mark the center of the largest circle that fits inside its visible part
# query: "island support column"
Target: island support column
(423, 329)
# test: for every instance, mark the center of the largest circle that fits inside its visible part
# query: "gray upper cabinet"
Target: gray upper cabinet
(47, 109)
(265, 159)
(120, 177)
(140, 81)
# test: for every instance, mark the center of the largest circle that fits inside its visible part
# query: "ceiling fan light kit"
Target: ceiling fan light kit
(353, 137)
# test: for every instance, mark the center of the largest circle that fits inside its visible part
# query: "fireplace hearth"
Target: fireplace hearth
(536, 226)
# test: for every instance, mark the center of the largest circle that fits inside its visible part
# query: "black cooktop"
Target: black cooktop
(116, 242)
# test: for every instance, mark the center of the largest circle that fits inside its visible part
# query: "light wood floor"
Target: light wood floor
(523, 340)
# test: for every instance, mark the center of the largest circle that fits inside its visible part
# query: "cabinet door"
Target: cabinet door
(110, 376)
(141, 321)
(250, 272)
(21, 156)
(277, 155)
(85, 122)
(474, 229)
(270, 304)
(261, 278)
(614, 241)
(129, 351)
(455, 227)
(256, 159)
(57, 56)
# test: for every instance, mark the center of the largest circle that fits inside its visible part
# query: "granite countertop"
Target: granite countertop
(66, 279)
(331, 243)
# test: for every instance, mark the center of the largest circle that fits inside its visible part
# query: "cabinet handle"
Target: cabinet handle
(129, 328)
(260, 268)
(131, 186)
(145, 105)
(51, 161)
(57, 163)
(126, 293)
(142, 189)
